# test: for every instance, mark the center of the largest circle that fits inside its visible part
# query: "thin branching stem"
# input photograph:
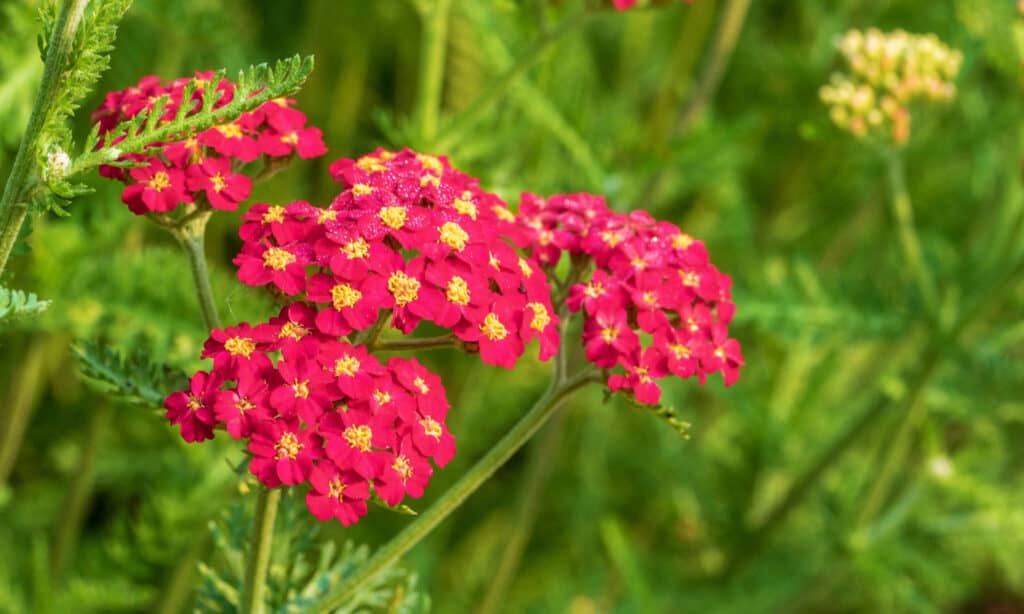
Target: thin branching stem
(425, 343)
(13, 205)
(432, 60)
(903, 211)
(191, 235)
(258, 560)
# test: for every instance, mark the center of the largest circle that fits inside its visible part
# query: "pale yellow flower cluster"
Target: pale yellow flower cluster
(888, 71)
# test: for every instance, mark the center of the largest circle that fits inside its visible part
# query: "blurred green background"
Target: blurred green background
(868, 460)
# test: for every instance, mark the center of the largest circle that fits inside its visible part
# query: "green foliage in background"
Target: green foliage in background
(868, 460)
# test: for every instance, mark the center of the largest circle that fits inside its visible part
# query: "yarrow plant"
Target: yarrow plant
(889, 72)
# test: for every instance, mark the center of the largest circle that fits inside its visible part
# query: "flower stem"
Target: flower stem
(192, 236)
(258, 561)
(903, 211)
(424, 343)
(432, 56)
(386, 556)
(13, 208)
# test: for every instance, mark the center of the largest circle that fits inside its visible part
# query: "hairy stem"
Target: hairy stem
(258, 561)
(192, 237)
(903, 211)
(13, 208)
(419, 528)
(425, 343)
(432, 56)
(530, 494)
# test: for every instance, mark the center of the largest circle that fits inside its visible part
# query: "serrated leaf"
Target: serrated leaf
(19, 304)
(132, 377)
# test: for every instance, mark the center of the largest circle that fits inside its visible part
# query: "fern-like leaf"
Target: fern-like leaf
(19, 304)
(132, 377)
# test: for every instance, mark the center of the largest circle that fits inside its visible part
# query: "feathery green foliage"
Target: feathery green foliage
(19, 304)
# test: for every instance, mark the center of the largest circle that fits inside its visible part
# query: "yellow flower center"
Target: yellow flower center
(362, 189)
(370, 164)
(682, 241)
(541, 317)
(405, 289)
(679, 350)
(457, 291)
(356, 250)
(291, 138)
(594, 289)
(243, 346)
(346, 365)
(421, 385)
(453, 236)
(493, 261)
(525, 268)
(229, 131)
(638, 263)
(359, 437)
(326, 215)
(280, 101)
(301, 389)
(690, 279)
(649, 298)
(720, 354)
(382, 397)
(431, 428)
(159, 181)
(430, 163)
(277, 258)
(610, 238)
(641, 372)
(336, 489)
(465, 205)
(403, 467)
(503, 213)
(344, 296)
(193, 404)
(610, 334)
(287, 446)
(393, 217)
(274, 214)
(243, 405)
(493, 328)
(218, 182)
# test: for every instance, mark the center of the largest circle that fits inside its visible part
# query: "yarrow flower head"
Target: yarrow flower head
(654, 305)
(888, 72)
(317, 410)
(203, 165)
(409, 239)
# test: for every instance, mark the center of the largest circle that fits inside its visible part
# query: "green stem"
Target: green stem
(726, 37)
(425, 343)
(79, 492)
(192, 237)
(26, 386)
(903, 211)
(258, 561)
(479, 106)
(13, 208)
(530, 497)
(432, 56)
(386, 556)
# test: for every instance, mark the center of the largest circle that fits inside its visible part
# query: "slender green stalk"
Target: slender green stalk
(258, 561)
(419, 528)
(79, 492)
(424, 343)
(530, 496)
(432, 56)
(192, 237)
(13, 208)
(723, 47)
(903, 211)
(24, 389)
(479, 106)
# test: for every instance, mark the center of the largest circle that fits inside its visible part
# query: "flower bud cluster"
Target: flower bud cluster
(204, 164)
(412, 237)
(317, 410)
(889, 71)
(654, 305)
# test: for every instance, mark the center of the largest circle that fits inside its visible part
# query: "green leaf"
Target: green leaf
(19, 304)
(132, 377)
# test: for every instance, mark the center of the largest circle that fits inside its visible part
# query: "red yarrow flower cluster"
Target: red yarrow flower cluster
(411, 238)
(319, 411)
(654, 305)
(203, 165)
